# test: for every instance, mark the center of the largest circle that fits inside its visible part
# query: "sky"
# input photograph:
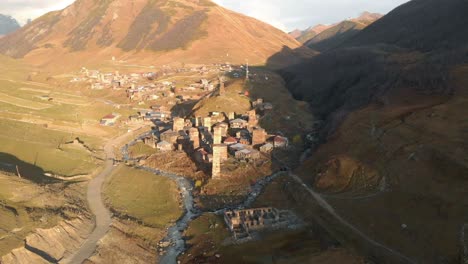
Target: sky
(286, 15)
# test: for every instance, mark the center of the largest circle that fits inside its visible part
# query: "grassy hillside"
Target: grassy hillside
(334, 36)
(148, 31)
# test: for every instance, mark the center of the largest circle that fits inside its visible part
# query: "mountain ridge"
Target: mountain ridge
(8, 24)
(146, 30)
(308, 35)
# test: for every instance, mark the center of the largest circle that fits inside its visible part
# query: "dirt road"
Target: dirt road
(101, 213)
(326, 206)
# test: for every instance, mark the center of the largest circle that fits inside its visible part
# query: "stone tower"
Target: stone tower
(194, 137)
(259, 136)
(220, 154)
(217, 134)
(253, 121)
(231, 115)
(178, 125)
(207, 123)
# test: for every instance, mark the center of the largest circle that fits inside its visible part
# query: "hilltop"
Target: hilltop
(147, 31)
(323, 37)
(8, 24)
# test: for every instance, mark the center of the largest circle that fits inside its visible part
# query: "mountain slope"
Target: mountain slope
(394, 154)
(420, 24)
(312, 32)
(8, 24)
(335, 35)
(161, 31)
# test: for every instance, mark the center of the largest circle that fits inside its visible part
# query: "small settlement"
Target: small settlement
(211, 140)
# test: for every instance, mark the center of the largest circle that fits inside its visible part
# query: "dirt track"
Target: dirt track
(101, 213)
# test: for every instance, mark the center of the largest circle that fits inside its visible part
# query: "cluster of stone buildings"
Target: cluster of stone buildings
(243, 222)
(213, 139)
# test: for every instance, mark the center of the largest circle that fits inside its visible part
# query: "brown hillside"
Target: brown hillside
(146, 31)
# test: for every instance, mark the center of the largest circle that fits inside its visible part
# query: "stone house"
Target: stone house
(280, 142)
(247, 154)
(110, 119)
(238, 123)
(236, 147)
(150, 141)
(267, 148)
(170, 136)
(230, 141)
(165, 146)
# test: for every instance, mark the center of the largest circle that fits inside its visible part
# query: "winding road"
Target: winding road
(101, 214)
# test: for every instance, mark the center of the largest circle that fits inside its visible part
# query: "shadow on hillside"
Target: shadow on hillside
(11, 165)
(339, 81)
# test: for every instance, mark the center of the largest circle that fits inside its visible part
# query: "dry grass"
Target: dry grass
(22, 102)
(149, 198)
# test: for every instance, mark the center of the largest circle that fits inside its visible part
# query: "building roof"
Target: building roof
(238, 120)
(230, 140)
(280, 139)
(109, 116)
(163, 144)
(237, 146)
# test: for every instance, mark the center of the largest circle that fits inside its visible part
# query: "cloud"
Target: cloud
(22, 10)
(292, 14)
(283, 14)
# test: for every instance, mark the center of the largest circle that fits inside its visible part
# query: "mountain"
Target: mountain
(304, 35)
(8, 24)
(336, 34)
(145, 31)
(393, 153)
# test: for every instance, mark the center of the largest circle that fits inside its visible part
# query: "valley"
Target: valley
(183, 132)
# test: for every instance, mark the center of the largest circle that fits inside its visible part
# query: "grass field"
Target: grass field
(44, 148)
(16, 101)
(233, 100)
(141, 150)
(152, 199)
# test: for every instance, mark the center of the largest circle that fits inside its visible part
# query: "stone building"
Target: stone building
(179, 124)
(230, 141)
(216, 167)
(169, 136)
(217, 134)
(243, 222)
(231, 115)
(224, 128)
(247, 154)
(259, 137)
(238, 123)
(194, 137)
(253, 121)
(207, 123)
(222, 150)
(165, 146)
(267, 148)
(150, 141)
(280, 142)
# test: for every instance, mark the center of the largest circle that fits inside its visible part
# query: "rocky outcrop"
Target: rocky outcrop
(51, 245)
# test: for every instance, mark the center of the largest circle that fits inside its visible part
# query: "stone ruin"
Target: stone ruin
(243, 223)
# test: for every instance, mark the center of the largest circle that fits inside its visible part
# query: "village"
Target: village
(210, 141)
